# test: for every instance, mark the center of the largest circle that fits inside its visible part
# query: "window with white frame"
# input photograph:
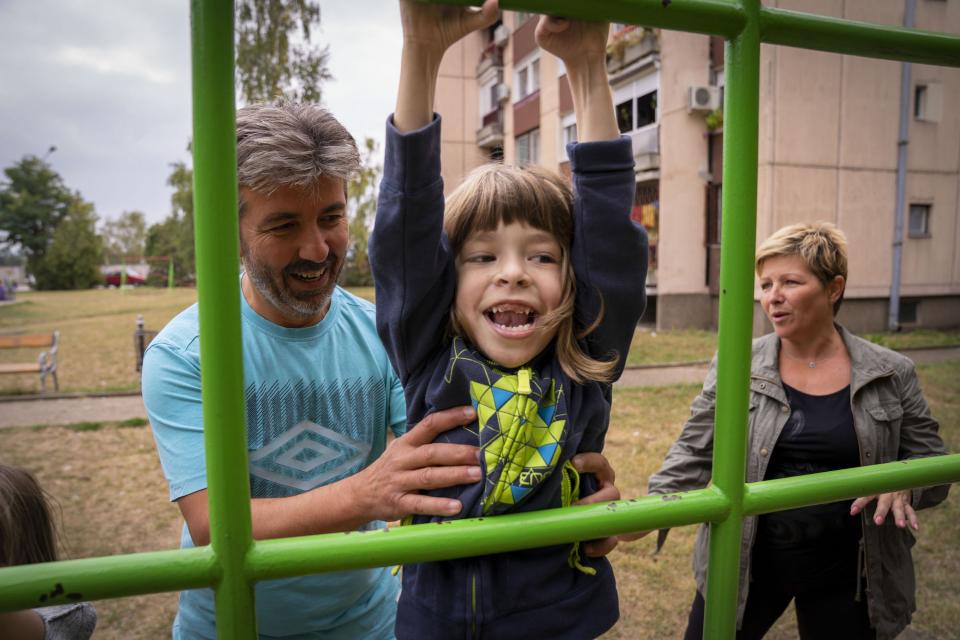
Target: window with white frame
(528, 148)
(568, 134)
(526, 77)
(918, 226)
(636, 103)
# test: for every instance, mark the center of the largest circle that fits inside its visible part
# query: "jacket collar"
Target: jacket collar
(867, 360)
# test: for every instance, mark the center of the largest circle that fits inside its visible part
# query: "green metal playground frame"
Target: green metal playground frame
(233, 562)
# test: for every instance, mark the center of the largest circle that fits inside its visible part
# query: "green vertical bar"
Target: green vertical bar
(217, 244)
(738, 240)
(170, 273)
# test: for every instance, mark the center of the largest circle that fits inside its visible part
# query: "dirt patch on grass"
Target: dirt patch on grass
(108, 482)
(112, 499)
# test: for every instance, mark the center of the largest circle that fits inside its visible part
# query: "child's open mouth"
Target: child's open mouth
(512, 317)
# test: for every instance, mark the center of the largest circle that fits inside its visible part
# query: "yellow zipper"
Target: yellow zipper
(523, 381)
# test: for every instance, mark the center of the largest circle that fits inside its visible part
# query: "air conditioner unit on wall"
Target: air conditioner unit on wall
(501, 35)
(501, 93)
(703, 98)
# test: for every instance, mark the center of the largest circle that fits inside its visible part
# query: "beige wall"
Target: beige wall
(683, 163)
(549, 112)
(827, 151)
(458, 102)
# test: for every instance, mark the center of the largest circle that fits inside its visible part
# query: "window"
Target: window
(636, 103)
(918, 226)
(636, 113)
(927, 101)
(625, 115)
(568, 134)
(919, 101)
(528, 148)
(646, 109)
(907, 312)
(527, 77)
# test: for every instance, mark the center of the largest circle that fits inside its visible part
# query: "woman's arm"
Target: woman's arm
(689, 461)
(919, 438)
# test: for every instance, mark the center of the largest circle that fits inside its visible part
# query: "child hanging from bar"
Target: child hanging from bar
(522, 297)
(28, 536)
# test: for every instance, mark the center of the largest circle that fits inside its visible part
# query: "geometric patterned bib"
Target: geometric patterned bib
(521, 435)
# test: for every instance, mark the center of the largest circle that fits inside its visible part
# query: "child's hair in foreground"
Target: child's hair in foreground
(495, 193)
(27, 531)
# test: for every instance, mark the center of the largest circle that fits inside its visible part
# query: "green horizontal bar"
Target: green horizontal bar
(23, 587)
(806, 31)
(720, 17)
(271, 559)
(830, 486)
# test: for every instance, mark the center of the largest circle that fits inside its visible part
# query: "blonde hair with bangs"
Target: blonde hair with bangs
(821, 246)
(496, 193)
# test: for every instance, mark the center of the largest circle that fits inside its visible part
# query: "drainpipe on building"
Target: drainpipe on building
(903, 139)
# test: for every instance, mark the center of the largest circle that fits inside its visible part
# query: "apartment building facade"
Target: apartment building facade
(828, 151)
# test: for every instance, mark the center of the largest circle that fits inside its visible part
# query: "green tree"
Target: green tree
(362, 207)
(163, 240)
(33, 201)
(174, 236)
(73, 258)
(275, 55)
(124, 237)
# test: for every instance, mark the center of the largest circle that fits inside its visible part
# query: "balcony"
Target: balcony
(646, 148)
(491, 59)
(629, 46)
(490, 134)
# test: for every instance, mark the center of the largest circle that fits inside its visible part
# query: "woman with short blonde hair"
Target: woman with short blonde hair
(820, 399)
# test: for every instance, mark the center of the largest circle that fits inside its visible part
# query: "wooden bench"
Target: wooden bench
(46, 364)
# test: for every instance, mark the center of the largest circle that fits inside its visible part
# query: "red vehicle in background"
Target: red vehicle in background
(114, 277)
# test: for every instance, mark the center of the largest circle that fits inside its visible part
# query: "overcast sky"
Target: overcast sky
(108, 83)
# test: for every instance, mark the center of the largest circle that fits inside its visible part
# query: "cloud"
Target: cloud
(116, 61)
(108, 83)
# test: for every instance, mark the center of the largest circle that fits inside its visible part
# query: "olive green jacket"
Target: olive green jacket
(892, 422)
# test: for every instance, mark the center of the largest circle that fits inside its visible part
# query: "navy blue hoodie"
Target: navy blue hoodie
(531, 419)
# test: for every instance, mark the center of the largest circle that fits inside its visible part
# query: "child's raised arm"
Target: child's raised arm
(428, 31)
(583, 48)
(609, 251)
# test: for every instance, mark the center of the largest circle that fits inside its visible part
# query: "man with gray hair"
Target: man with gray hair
(320, 393)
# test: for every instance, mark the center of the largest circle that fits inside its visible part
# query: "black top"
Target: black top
(819, 436)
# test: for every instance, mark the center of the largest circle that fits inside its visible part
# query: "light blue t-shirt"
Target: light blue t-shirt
(319, 402)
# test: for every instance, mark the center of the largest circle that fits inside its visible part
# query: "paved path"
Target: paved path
(39, 411)
(26, 413)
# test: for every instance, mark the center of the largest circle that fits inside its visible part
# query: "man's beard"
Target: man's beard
(271, 285)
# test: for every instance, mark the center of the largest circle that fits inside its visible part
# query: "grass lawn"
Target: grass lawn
(113, 498)
(658, 347)
(96, 333)
(96, 336)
